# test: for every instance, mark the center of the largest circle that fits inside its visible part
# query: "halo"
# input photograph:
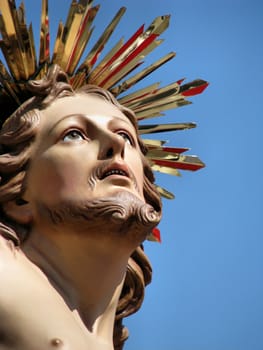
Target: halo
(113, 72)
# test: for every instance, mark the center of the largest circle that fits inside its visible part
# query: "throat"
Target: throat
(88, 280)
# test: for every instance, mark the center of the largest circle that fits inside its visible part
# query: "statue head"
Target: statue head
(56, 114)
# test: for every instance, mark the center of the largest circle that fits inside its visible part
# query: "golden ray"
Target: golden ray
(156, 128)
(93, 55)
(113, 72)
(164, 193)
(139, 76)
(44, 53)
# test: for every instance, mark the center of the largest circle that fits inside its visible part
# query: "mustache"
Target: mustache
(98, 171)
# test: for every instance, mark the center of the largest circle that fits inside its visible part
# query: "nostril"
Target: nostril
(109, 153)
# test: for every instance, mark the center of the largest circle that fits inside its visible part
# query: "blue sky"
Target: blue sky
(207, 285)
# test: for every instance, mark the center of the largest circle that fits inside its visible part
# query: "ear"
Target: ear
(19, 210)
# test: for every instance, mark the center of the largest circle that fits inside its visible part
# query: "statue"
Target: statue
(78, 200)
(77, 191)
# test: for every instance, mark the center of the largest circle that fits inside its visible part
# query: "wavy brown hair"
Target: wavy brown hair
(16, 140)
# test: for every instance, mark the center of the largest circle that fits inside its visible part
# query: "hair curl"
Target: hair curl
(16, 140)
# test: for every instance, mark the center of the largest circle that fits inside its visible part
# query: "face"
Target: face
(86, 149)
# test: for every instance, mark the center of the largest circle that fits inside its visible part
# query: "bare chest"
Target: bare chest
(33, 316)
(40, 324)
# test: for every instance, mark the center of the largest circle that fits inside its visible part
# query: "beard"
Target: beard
(123, 214)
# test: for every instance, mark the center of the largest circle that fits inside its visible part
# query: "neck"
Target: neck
(87, 272)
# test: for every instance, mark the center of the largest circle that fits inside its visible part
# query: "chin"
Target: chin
(121, 192)
(120, 212)
(115, 187)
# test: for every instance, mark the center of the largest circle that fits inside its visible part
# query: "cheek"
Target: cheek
(56, 176)
(136, 165)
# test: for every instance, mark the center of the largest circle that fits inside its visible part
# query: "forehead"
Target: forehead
(80, 104)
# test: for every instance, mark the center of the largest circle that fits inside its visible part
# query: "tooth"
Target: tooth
(115, 171)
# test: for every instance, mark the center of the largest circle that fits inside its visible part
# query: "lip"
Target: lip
(115, 169)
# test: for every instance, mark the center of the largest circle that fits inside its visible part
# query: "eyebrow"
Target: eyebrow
(84, 117)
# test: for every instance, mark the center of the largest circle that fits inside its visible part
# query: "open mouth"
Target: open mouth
(118, 174)
(114, 172)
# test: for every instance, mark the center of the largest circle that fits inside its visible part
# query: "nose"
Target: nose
(111, 145)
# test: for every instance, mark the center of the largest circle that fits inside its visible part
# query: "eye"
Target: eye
(127, 138)
(73, 135)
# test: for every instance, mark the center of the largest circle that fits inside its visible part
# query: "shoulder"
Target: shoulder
(11, 260)
(7, 247)
(14, 271)
(8, 262)
(8, 233)
(15, 266)
(10, 257)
